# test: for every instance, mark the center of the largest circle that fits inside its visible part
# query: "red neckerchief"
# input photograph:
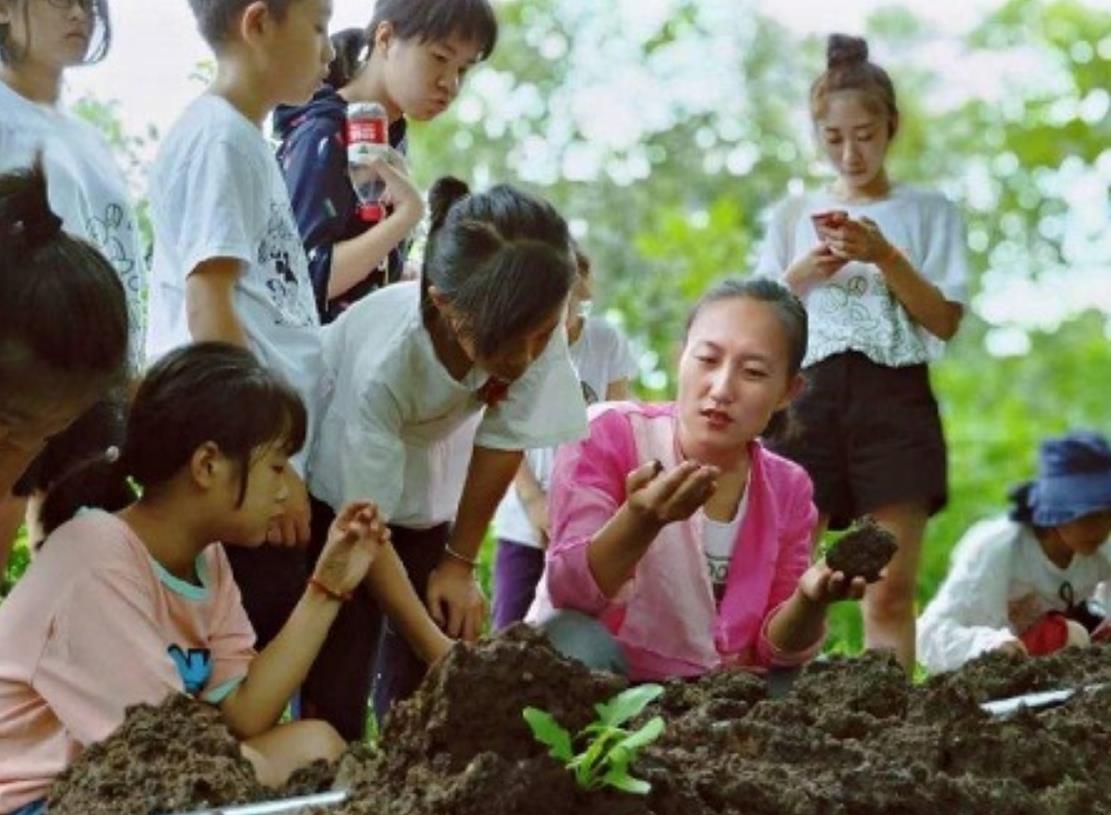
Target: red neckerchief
(493, 391)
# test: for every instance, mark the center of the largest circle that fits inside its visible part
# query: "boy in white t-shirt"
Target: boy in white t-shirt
(601, 357)
(228, 262)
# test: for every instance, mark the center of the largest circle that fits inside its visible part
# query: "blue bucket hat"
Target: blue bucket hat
(1074, 480)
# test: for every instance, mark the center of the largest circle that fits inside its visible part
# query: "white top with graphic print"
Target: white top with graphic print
(86, 190)
(216, 192)
(854, 310)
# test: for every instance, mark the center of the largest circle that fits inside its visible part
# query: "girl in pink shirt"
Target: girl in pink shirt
(130, 607)
(679, 544)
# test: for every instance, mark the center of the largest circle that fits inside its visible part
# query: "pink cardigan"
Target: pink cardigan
(665, 616)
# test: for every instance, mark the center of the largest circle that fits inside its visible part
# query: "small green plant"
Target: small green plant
(608, 747)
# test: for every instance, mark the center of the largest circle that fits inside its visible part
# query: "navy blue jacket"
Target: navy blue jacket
(313, 158)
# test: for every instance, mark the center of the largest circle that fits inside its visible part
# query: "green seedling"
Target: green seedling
(608, 748)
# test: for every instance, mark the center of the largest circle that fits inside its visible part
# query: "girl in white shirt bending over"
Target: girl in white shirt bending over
(1025, 583)
(881, 268)
(439, 386)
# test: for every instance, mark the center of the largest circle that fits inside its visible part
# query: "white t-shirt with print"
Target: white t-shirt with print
(855, 310)
(399, 430)
(217, 192)
(718, 540)
(1000, 582)
(600, 356)
(86, 190)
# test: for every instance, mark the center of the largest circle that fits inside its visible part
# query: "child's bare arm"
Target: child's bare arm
(355, 540)
(210, 302)
(398, 598)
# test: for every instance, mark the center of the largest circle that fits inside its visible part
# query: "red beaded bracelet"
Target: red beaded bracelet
(327, 592)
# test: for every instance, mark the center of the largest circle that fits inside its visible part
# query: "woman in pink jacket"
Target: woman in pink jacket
(679, 544)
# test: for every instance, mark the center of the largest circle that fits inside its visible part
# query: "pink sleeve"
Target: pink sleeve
(588, 487)
(104, 652)
(796, 540)
(232, 637)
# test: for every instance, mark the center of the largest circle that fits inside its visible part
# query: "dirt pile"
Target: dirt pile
(177, 756)
(851, 738)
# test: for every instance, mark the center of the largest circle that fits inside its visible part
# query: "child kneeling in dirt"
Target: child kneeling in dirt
(130, 607)
(680, 545)
(1022, 582)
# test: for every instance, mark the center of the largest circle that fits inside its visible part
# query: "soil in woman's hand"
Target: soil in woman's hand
(863, 551)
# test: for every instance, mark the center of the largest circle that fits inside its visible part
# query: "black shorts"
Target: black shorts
(869, 436)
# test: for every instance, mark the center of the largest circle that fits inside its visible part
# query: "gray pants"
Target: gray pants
(580, 636)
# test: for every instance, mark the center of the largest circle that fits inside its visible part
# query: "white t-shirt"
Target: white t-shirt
(1000, 582)
(718, 539)
(600, 356)
(217, 192)
(399, 430)
(86, 190)
(854, 310)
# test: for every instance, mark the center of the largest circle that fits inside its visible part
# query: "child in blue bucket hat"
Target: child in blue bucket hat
(1029, 582)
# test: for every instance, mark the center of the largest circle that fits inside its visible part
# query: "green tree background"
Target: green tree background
(665, 138)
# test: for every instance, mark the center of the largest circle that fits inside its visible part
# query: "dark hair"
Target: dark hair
(502, 258)
(425, 20)
(55, 471)
(99, 42)
(205, 392)
(848, 69)
(583, 264)
(63, 314)
(792, 317)
(216, 18)
(88, 436)
(349, 45)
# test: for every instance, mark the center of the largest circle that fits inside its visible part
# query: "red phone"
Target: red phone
(830, 219)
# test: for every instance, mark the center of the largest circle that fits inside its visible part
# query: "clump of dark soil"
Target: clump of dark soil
(851, 738)
(862, 552)
(176, 756)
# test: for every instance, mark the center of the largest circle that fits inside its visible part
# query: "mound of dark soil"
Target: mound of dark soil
(851, 738)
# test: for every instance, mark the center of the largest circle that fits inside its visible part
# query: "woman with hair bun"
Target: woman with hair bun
(881, 267)
(63, 330)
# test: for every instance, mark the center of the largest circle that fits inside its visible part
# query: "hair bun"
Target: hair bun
(445, 193)
(845, 51)
(26, 220)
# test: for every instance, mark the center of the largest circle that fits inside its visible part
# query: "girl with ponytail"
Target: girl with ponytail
(207, 442)
(439, 387)
(882, 270)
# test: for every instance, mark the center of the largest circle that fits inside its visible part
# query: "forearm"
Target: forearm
(354, 259)
(797, 278)
(489, 476)
(527, 485)
(395, 594)
(210, 304)
(613, 554)
(797, 624)
(277, 672)
(923, 301)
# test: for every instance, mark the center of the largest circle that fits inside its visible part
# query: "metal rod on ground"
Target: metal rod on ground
(287, 805)
(1035, 701)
